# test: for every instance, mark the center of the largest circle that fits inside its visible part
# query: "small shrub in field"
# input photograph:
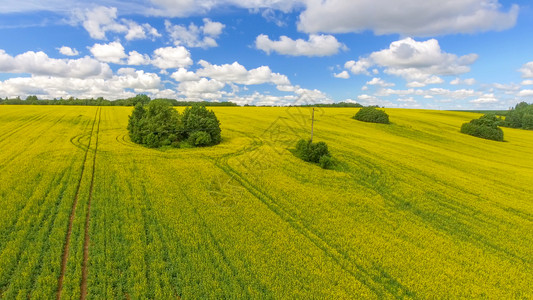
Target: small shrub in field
(314, 152)
(485, 127)
(372, 114)
(326, 162)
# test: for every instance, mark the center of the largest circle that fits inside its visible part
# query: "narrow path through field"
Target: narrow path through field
(73, 210)
(87, 217)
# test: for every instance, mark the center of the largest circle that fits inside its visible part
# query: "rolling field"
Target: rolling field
(414, 209)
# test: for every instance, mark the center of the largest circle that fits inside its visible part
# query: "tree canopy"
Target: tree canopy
(372, 114)
(159, 124)
(520, 117)
(314, 152)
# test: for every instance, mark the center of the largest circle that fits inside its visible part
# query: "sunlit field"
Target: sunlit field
(413, 209)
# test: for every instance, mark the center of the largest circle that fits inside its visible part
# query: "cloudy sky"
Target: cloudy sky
(453, 54)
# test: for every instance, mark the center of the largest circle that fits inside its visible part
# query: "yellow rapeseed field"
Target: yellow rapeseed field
(414, 209)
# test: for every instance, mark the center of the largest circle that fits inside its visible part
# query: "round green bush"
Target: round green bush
(314, 152)
(485, 127)
(372, 114)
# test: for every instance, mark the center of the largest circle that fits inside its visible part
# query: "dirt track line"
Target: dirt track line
(87, 217)
(71, 218)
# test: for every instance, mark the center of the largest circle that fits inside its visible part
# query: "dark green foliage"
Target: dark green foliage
(199, 139)
(338, 104)
(372, 114)
(314, 152)
(32, 98)
(141, 98)
(520, 117)
(135, 123)
(485, 127)
(197, 118)
(159, 124)
(326, 162)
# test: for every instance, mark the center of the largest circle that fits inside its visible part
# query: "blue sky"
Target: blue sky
(468, 54)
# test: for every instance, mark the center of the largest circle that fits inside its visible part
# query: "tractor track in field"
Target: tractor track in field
(86, 242)
(7, 160)
(28, 122)
(73, 210)
(373, 277)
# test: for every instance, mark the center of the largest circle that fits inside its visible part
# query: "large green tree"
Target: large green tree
(197, 119)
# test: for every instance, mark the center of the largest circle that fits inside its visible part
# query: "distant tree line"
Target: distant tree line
(100, 101)
(157, 124)
(521, 116)
(338, 104)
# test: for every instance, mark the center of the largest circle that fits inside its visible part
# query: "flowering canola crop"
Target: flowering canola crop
(413, 209)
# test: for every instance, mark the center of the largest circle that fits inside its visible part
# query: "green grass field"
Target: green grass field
(414, 209)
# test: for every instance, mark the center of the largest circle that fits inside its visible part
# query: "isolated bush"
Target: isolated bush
(485, 127)
(314, 152)
(372, 114)
(159, 124)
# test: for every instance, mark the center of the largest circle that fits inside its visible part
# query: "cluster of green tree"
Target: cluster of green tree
(314, 152)
(157, 124)
(141, 98)
(485, 127)
(372, 114)
(520, 117)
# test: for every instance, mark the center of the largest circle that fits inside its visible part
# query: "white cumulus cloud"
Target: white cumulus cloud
(344, 75)
(420, 63)
(68, 51)
(201, 89)
(38, 63)
(379, 81)
(171, 57)
(316, 45)
(525, 93)
(112, 52)
(195, 36)
(407, 17)
(459, 81)
(527, 70)
(183, 75)
(100, 20)
(114, 87)
(237, 73)
(484, 99)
